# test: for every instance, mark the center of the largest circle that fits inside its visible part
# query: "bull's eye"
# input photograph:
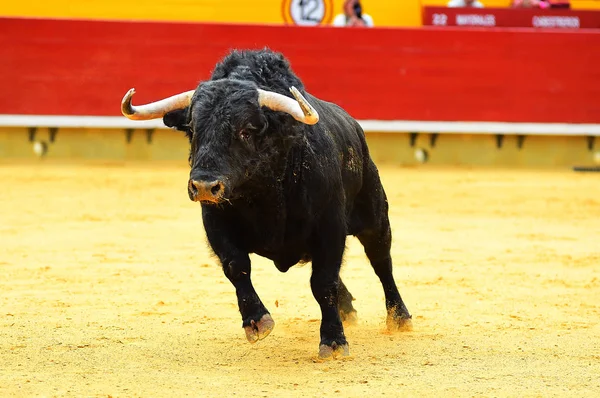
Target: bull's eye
(244, 134)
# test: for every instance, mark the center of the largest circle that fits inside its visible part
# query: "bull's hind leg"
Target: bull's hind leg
(372, 228)
(377, 245)
(345, 307)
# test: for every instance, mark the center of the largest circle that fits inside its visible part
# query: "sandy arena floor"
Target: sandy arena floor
(108, 290)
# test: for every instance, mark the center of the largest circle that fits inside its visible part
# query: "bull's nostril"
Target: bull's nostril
(216, 189)
(192, 187)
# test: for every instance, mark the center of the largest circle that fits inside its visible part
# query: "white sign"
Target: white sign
(556, 22)
(307, 12)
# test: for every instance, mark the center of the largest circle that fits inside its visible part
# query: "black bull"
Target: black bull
(273, 181)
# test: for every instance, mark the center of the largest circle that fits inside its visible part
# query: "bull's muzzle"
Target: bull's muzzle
(206, 191)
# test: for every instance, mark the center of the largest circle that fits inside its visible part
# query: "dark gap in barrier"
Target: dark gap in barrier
(52, 132)
(520, 141)
(432, 139)
(149, 135)
(499, 140)
(413, 139)
(590, 142)
(128, 135)
(32, 132)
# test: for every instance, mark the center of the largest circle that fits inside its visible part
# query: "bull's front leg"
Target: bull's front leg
(328, 249)
(256, 320)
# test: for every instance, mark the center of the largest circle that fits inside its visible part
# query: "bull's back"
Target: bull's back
(348, 146)
(365, 198)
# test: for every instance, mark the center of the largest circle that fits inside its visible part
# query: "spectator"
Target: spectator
(543, 4)
(530, 4)
(465, 3)
(353, 15)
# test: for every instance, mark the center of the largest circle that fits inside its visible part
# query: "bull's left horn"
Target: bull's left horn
(300, 109)
(154, 110)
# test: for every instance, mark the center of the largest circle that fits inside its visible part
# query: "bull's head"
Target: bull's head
(228, 130)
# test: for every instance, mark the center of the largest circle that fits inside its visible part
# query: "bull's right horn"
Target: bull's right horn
(300, 109)
(154, 110)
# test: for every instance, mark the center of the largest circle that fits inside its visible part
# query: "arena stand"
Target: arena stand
(416, 83)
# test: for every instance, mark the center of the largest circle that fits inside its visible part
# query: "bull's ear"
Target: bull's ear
(177, 119)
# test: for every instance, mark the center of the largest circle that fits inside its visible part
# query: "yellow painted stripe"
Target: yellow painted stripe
(585, 4)
(384, 13)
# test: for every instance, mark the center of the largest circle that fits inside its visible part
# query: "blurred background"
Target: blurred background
(461, 82)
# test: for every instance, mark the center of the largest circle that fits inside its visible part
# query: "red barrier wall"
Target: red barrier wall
(62, 67)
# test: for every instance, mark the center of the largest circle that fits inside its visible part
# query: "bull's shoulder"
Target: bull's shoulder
(334, 115)
(335, 122)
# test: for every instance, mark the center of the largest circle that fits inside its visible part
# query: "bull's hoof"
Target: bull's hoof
(333, 351)
(349, 318)
(402, 323)
(259, 330)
